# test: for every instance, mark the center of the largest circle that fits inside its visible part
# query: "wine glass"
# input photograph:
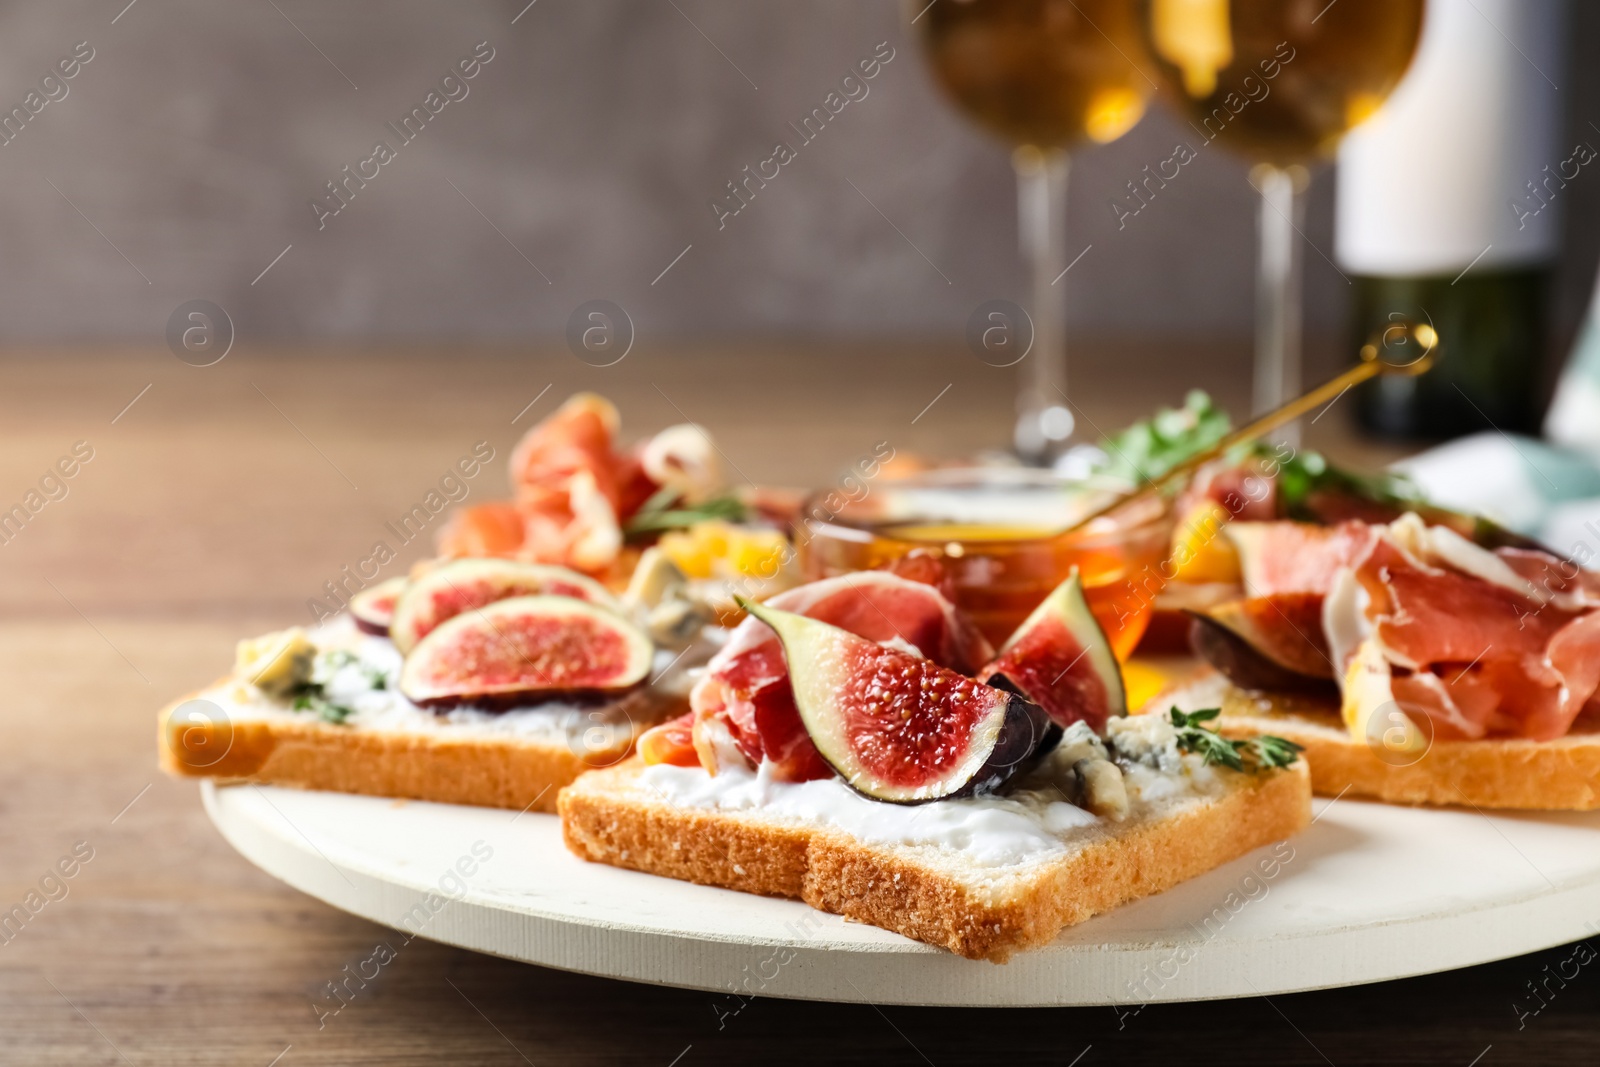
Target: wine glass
(1279, 82)
(1045, 75)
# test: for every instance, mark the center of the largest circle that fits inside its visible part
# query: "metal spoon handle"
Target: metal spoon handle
(1370, 367)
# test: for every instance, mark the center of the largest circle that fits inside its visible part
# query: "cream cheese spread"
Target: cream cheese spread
(1034, 822)
(365, 679)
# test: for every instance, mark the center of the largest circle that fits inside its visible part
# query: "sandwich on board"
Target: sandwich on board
(496, 675)
(1411, 663)
(1418, 654)
(855, 746)
(488, 681)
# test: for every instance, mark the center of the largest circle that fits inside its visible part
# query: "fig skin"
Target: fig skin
(1285, 628)
(498, 703)
(365, 607)
(1245, 667)
(1027, 736)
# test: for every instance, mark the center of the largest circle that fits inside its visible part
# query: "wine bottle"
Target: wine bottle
(1447, 212)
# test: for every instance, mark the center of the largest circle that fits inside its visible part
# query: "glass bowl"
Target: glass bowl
(994, 538)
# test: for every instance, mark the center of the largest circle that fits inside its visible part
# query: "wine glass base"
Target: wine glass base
(1042, 433)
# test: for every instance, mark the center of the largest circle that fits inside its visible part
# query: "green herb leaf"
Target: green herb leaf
(1304, 473)
(311, 699)
(334, 713)
(1264, 752)
(1273, 752)
(660, 513)
(1194, 718)
(1152, 447)
(1310, 489)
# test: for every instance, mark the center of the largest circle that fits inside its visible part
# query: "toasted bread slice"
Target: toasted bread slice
(943, 891)
(454, 763)
(1560, 775)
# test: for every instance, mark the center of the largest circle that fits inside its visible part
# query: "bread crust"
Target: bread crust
(1559, 775)
(493, 772)
(606, 817)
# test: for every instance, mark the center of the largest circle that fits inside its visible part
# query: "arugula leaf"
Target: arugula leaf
(1310, 489)
(1305, 472)
(1264, 752)
(1152, 447)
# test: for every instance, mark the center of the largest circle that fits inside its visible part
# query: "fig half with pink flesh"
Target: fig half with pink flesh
(900, 728)
(465, 584)
(1060, 659)
(525, 648)
(1246, 665)
(373, 607)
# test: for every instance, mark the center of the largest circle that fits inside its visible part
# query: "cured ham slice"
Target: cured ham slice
(1574, 656)
(1562, 581)
(1246, 491)
(1466, 638)
(745, 698)
(576, 438)
(493, 529)
(1425, 614)
(564, 478)
(572, 489)
(1469, 642)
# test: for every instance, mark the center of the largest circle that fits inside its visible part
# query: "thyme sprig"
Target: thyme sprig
(1260, 753)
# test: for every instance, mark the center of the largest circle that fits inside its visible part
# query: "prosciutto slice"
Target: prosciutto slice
(573, 489)
(745, 698)
(1472, 639)
(1561, 581)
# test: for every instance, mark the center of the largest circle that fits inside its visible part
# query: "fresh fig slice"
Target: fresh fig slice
(745, 687)
(1242, 664)
(1286, 629)
(373, 607)
(1060, 659)
(1295, 557)
(464, 584)
(525, 647)
(900, 728)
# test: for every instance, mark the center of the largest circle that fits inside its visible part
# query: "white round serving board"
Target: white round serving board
(1371, 892)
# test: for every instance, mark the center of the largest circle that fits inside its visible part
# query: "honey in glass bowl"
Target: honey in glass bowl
(995, 538)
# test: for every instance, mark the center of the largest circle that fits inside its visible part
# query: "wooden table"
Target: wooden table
(225, 496)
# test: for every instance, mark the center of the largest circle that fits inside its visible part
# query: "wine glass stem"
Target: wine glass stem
(1278, 290)
(1041, 227)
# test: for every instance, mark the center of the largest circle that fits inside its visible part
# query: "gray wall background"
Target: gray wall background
(592, 142)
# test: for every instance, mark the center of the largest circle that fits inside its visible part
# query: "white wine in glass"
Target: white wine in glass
(1046, 76)
(1280, 82)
